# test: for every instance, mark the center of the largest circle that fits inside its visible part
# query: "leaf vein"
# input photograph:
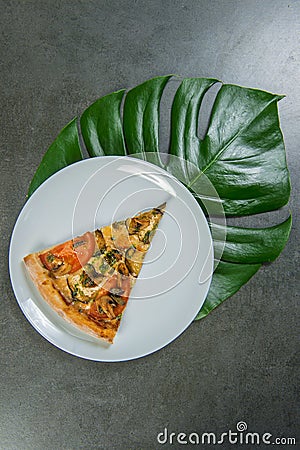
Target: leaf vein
(221, 151)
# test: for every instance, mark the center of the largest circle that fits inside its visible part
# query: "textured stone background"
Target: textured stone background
(57, 57)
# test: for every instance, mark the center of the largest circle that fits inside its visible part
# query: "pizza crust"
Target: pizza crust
(52, 296)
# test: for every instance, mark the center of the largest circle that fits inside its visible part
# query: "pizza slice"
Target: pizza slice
(87, 280)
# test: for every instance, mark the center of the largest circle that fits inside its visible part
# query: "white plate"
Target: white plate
(175, 277)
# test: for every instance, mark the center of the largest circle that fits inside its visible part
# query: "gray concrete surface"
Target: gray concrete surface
(239, 364)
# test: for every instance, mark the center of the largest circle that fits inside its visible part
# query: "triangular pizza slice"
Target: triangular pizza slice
(88, 280)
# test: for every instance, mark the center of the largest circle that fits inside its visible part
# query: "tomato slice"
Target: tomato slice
(74, 253)
(95, 314)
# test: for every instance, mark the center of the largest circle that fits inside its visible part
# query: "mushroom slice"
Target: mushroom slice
(136, 224)
(100, 241)
(62, 269)
(122, 268)
(105, 302)
(134, 260)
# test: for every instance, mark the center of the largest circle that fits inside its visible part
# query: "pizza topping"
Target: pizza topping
(116, 292)
(102, 308)
(105, 304)
(51, 261)
(134, 261)
(86, 281)
(137, 243)
(78, 243)
(137, 224)
(61, 270)
(100, 241)
(122, 268)
(84, 247)
(72, 254)
(119, 300)
(114, 236)
(104, 268)
(91, 271)
(146, 237)
(82, 287)
(97, 267)
(112, 256)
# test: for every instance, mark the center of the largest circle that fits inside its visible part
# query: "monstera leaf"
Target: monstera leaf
(64, 150)
(242, 156)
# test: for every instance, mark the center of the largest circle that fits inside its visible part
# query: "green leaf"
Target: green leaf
(141, 116)
(251, 245)
(243, 151)
(64, 151)
(228, 278)
(246, 162)
(239, 166)
(184, 118)
(101, 126)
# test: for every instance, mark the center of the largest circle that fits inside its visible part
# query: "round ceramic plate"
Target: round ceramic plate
(176, 273)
